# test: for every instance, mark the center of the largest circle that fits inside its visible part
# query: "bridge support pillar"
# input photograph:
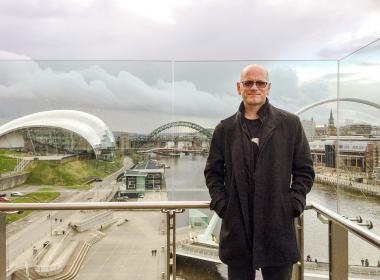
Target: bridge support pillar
(171, 241)
(3, 247)
(298, 268)
(338, 252)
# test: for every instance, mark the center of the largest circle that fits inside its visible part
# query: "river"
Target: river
(185, 181)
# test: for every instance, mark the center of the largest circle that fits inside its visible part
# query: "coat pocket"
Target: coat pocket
(289, 206)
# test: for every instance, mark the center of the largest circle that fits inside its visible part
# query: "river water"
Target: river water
(185, 181)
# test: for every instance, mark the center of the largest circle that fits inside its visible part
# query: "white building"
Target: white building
(58, 131)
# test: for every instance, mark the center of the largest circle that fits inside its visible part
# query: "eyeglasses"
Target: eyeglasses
(249, 84)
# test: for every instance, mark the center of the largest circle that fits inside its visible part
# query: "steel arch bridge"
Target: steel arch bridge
(356, 100)
(194, 126)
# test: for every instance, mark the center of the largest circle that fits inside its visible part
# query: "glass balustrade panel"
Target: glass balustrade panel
(79, 131)
(359, 145)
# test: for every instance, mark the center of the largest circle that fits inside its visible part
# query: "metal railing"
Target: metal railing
(338, 230)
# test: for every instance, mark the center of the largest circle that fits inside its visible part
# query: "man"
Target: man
(258, 172)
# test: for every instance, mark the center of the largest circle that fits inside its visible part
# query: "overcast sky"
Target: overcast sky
(139, 95)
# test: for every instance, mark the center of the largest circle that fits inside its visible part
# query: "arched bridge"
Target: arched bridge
(194, 126)
(356, 100)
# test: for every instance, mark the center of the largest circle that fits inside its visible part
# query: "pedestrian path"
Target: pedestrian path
(126, 251)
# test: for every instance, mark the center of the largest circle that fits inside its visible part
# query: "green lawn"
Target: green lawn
(14, 217)
(42, 195)
(7, 164)
(73, 174)
(7, 152)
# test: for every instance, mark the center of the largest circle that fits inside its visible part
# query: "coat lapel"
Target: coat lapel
(270, 121)
(239, 144)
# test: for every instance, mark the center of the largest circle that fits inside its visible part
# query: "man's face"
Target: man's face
(253, 94)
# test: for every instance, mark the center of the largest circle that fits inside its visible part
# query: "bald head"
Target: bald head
(253, 67)
(253, 87)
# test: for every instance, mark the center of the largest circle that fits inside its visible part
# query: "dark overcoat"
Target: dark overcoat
(280, 179)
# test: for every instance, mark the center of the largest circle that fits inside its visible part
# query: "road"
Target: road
(37, 228)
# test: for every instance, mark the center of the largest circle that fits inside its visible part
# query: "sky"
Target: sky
(140, 64)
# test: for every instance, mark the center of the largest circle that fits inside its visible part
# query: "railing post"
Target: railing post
(3, 247)
(170, 241)
(338, 252)
(298, 268)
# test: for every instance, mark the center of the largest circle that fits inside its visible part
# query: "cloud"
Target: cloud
(349, 48)
(93, 88)
(187, 30)
(140, 96)
(4, 55)
(72, 55)
(376, 64)
(347, 43)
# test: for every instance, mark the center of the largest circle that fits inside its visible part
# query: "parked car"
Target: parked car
(4, 199)
(3, 194)
(17, 194)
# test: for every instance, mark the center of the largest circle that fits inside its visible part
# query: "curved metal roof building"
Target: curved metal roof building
(88, 126)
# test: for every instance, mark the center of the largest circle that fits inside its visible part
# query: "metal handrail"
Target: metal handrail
(351, 227)
(329, 214)
(5, 207)
(172, 207)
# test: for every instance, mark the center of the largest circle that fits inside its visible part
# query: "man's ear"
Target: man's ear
(269, 88)
(238, 88)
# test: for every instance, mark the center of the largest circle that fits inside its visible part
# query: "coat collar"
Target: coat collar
(262, 113)
(270, 118)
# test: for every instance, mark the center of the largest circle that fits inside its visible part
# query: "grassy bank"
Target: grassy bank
(42, 195)
(7, 163)
(72, 173)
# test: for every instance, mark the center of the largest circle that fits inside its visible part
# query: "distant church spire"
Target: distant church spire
(331, 119)
(331, 129)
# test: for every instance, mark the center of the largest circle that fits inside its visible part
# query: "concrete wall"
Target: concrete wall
(93, 222)
(13, 180)
(368, 189)
(357, 269)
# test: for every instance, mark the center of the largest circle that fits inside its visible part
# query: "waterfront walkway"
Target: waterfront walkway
(118, 250)
(334, 179)
(126, 250)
